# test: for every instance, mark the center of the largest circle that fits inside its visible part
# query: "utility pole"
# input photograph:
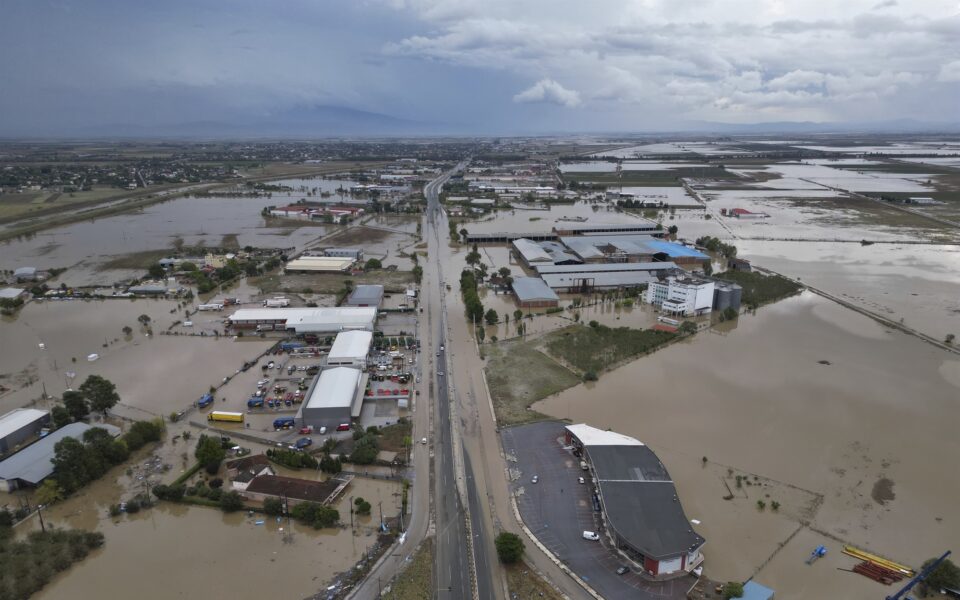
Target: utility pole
(40, 514)
(351, 514)
(380, 505)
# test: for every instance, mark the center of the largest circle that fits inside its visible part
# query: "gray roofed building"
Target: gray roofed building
(558, 252)
(607, 268)
(532, 292)
(32, 465)
(25, 273)
(11, 293)
(577, 283)
(365, 295)
(530, 252)
(640, 504)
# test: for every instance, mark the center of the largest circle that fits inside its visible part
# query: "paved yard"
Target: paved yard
(558, 509)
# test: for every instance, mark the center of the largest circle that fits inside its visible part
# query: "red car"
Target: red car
(306, 430)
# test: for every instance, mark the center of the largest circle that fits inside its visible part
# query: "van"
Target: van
(283, 423)
(583, 465)
(591, 535)
(343, 427)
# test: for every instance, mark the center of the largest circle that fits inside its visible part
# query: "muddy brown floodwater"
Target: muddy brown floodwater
(755, 400)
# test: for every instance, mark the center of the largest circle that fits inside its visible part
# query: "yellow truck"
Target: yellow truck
(222, 415)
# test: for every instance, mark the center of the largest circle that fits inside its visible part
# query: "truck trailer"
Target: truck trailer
(276, 302)
(210, 307)
(222, 415)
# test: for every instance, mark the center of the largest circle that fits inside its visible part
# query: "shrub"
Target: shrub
(273, 506)
(361, 506)
(509, 547)
(230, 501)
(732, 589)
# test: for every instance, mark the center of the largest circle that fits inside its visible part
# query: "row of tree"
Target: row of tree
(94, 394)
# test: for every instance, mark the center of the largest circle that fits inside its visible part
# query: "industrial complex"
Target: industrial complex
(304, 320)
(30, 466)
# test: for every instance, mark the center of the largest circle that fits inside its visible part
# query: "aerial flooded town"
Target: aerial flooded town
(374, 332)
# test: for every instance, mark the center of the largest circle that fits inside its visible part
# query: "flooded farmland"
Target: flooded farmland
(817, 402)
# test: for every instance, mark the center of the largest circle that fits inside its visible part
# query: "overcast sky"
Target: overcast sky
(479, 65)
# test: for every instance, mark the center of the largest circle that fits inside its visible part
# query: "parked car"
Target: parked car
(622, 570)
(580, 479)
(591, 535)
(304, 443)
(323, 430)
(535, 479)
(306, 430)
(424, 441)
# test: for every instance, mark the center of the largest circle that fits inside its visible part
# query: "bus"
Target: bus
(222, 415)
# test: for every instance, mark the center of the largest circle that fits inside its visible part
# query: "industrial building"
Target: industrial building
(533, 292)
(350, 349)
(684, 295)
(33, 464)
(639, 504)
(21, 425)
(560, 253)
(588, 278)
(305, 320)
(530, 253)
(354, 253)
(603, 248)
(643, 226)
(334, 398)
(319, 264)
(11, 293)
(365, 295)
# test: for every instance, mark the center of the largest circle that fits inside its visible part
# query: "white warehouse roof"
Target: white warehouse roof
(350, 345)
(531, 251)
(19, 418)
(34, 463)
(319, 263)
(335, 388)
(591, 436)
(310, 319)
(530, 289)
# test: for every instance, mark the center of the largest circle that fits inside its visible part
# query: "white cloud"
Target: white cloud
(949, 72)
(549, 91)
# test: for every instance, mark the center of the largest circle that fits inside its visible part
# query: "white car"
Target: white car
(591, 535)
(580, 479)
(535, 479)
(424, 441)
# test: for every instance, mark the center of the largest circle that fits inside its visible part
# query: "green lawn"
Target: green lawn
(760, 289)
(416, 581)
(599, 348)
(518, 375)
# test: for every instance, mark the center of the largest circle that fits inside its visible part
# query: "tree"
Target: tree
(509, 547)
(144, 319)
(672, 230)
(481, 334)
(188, 266)
(491, 317)
(688, 327)
(594, 324)
(361, 506)
(48, 492)
(372, 264)
(61, 416)
(127, 330)
(463, 233)
(101, 393)
(504, 272)
(231, 501)
(949, 339)
(155, 271)
(732, 589)
(946, 575)
(729, 313)
(70, 464)
(209, 453)
(517, 315)
(75, 404)
(708, 269)
(273, 506)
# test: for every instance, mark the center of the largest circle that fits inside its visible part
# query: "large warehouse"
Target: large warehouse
(334, 398)
(33, 464)
(532, 292)
(305, 320)
(20, 425)
(350, 349)
(641, 511)
(319, 264)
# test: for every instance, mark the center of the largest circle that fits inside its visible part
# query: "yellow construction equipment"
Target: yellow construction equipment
(877, 560)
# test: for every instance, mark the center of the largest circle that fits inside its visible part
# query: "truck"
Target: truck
(287, 346)
(283, 423)
(212, 306)
(223, 415)
(255, 402)
(276, 302)
(205, 401)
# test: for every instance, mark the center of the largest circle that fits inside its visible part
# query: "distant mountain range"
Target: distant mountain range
(318, 121)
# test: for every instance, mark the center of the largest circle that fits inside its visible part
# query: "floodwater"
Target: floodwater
(917, 283)
(195, 220)
(179, 551)
(154, 375)
(753, 396)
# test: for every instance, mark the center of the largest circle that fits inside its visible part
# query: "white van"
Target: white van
(591, 535)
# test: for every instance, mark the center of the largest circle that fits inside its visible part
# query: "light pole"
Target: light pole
(40, 514)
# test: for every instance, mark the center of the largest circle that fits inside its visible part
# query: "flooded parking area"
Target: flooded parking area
(815, 402)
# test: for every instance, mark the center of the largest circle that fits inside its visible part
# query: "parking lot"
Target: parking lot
(557, 510)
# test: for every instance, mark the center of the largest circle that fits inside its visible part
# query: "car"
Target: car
(580, 479)
(303, 443)
(306, 430)
(270, 364)
(535, 479)
(424, 441)
(439, 373)
(441, 347)
(323, 430)
(438, 354)
(622, 570)
(591, 535)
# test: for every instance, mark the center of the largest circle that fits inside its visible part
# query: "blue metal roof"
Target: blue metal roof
(754, 591)
(672, 249)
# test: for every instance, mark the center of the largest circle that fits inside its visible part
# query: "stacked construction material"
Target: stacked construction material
(877, 573)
